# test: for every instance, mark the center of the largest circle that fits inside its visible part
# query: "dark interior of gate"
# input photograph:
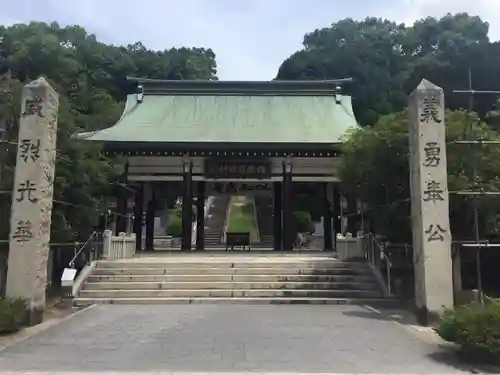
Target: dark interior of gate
(213, 163)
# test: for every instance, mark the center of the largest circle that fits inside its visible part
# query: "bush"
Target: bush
(475, 328)
(178, 212)
(12, 314)
(303, 222)
(174, 227)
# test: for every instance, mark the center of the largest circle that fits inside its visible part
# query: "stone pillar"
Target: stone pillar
(429, 202)
(138, 210)
(200, 216)
(106, 244)
(150, 221)
(32, 197)
(187, 204)
(278, 212)
(288, 230)
(327, 222)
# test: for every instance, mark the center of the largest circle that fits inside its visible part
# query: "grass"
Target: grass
(242, 217)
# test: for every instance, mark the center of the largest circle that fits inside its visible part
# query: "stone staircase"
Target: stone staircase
(232, 278)
(215, 221)
(265, 242)
(213, 238)
(264, 211)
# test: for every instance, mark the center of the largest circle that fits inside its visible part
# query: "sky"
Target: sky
(250, 38)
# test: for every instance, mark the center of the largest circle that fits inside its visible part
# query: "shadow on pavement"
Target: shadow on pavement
(400, 316)
(449, 356)
(444, 354)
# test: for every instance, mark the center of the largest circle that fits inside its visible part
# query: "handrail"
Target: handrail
(208, 204)
(255, 219)
(226, 219)
(72, 262)
(384, 256)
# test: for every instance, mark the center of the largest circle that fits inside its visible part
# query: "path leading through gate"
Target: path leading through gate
(228, 338)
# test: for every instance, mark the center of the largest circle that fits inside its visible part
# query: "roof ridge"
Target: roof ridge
(207, 87)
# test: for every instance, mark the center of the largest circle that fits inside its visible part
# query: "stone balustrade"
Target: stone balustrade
(118, 247)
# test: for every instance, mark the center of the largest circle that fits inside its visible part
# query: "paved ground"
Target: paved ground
(225, 338)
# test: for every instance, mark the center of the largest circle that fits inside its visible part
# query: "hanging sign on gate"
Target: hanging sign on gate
(237, 169)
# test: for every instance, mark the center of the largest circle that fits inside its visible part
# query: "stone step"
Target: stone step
(373, 302)
(227, 293)
(237, 285)
(229, 271)
(218, 264)
(232, 277)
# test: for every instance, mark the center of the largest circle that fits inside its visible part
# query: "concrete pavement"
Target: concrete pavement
(227, 338)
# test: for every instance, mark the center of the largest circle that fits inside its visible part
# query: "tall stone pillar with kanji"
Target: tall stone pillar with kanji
(32, 197)
(429, 202)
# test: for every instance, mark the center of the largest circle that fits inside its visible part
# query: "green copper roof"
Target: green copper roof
(231, 116)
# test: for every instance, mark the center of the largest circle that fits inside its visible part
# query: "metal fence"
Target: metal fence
(60, 257)
(394, 263)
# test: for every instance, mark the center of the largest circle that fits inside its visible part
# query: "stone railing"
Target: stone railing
(118, 247)
(226, 219)
(255, 222)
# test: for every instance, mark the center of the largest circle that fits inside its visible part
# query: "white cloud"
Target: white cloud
(250, 38)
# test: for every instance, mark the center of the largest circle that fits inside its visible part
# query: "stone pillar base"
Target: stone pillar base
(34, 316)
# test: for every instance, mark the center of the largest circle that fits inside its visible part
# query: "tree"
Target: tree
(374, 166)
(90, 78)
(387, 60)
(10, 90)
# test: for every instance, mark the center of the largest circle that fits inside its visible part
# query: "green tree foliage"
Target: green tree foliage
(476, 329)
(90, 77)
(374, 165)
(303, 222)
(174, 227)
(387, 60)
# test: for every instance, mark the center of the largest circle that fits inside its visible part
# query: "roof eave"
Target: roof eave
(124, 146)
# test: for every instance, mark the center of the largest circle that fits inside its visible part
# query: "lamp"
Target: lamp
(140, 93)
(288, 164)
(338, 91)
(186, 163)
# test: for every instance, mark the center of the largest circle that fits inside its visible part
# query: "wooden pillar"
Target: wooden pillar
(288, 230)
(327, 218)
(352, 218)
(138, 210)
(121, 209)
(278, 211)
(150, 221)
(187, 204)
(102, 225)
(200, 216)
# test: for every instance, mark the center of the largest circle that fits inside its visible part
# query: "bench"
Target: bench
(237, 239)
